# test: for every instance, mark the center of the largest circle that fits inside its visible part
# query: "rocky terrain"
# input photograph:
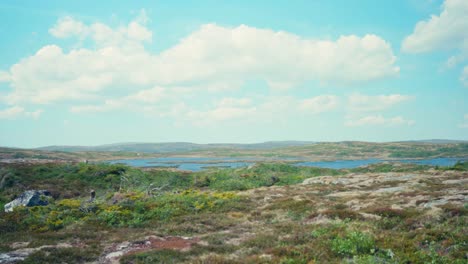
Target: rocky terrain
(389, 213)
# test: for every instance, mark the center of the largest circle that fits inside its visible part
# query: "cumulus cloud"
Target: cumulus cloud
(213, 56)
(447, 31)
(11, 112)
(4, 76)
(379, 120)
(234, 102)
(464, 76)
(147, 96)
(363, 109)
(17, 111)
(164, 102)
(367, 103)
(69, 27)
(107, 105)
(464, 124)
(219, 114)
(319, 104)
(130, 35)
(34, 114)
(211, 59)
(159, 102)
(282, 59)
(268, 108)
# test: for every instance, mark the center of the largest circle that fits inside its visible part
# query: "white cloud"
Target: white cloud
(218, 114)
(153, 95)
(456, 59)
(275, 108)
(282, 59)
(125, 36)
(219, 58)
(34, 114)
(161, 102)
(367, 103)
(108, 105)
(136, 100)
(234, 102)
(464, 124)
(11, 112)
(4, 77)
(68, 27)
(464, 76)
(359, 105)
(165, 102)
(319, 104)
(17, 111)
(51, 75)
(449, 30)
(142, 17)
(379, 120)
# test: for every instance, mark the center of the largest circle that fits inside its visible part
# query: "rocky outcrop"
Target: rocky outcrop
(22, 253)
(116, 251)
(29, 198)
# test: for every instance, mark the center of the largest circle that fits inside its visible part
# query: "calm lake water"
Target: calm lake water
(189, 163)
(197, 164)
(349, 164)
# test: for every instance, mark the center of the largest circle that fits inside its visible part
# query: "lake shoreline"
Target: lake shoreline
(203, 163)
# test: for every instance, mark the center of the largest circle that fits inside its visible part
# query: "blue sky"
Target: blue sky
(98, 72)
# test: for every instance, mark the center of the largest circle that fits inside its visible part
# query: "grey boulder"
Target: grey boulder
(29, 198)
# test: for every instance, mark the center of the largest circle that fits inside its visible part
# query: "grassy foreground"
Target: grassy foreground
(269, 213)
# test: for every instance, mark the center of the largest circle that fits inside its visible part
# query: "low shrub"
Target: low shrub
(157, 256)
(63, 255)
(353, 244)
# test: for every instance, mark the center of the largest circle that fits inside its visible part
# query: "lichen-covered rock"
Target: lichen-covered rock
(22, 253)
(29, 198)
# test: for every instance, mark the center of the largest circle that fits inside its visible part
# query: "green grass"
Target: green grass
(156, 256)
(208, 205)
(63, 255)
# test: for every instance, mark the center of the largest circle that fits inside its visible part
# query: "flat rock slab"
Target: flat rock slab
(117, 251)
(23, 253)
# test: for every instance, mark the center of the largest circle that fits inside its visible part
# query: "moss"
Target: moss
(353, 244)
(395, 218)
(342, 214)
(452, 210)
(69, 203)
(261, 242)
(63, 255)
(156, 256)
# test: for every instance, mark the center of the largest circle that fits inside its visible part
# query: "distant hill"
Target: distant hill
(304, 149)
(435, 141)
(176, 146)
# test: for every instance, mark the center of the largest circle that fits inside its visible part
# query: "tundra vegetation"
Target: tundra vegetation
(267, 213)
(308, 151)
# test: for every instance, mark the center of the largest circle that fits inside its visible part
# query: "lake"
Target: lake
(190, 163)
(201, 163)
(349, 164)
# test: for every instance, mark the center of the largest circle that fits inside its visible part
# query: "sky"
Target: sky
(101, 72)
